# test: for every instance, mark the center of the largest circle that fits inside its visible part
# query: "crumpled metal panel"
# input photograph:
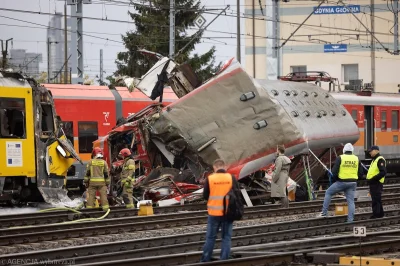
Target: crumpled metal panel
(215, 115)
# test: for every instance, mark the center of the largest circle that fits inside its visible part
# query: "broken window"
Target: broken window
(47, 118)
(87, 133)
(68, 129)
(12, 118)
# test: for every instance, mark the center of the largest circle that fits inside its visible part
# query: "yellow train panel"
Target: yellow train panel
(57, 164)
(17, 139)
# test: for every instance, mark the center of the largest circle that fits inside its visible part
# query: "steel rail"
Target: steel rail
(248, 235)
(31, 234)
(238, 241)
(39, 218)
(346, 243)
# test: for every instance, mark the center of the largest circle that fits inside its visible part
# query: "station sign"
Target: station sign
(326, 10)
(335, 48)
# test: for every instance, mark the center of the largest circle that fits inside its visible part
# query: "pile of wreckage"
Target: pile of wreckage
(233, 117)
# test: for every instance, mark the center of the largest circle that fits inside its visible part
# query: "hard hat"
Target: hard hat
(97, 151)
(125, 152)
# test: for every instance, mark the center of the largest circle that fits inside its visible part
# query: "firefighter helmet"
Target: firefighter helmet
(125, 152)
(97, 152)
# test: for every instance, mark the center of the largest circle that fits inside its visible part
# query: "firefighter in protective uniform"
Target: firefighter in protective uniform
(127, 177)
(97, 179)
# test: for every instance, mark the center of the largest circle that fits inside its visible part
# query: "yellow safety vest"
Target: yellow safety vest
(374, 170)
(348, 166)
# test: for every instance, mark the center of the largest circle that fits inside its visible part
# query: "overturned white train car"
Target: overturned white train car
(238, 119)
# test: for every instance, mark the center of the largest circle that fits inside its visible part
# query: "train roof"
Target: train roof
(91, 92)
(380, 99)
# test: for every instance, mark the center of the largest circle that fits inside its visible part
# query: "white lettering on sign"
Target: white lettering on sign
(14, 153)
(337, 10)
(106, 116)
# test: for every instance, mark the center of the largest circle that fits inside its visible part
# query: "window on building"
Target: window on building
(12, 118)
(383, 120)
(298, 69)
(350, 72)
(354, 116)
(87, 133)
(395, 120)
(68, 128)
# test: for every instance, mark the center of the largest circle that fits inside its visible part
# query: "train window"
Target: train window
(383, 120)
(354, 116)
(68, 128)
(395, 120)
(87, 133)
(395, 138)
(305, 94)
(47, 118)
(12, 118)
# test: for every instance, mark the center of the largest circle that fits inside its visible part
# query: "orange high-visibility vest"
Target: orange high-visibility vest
(220, 184)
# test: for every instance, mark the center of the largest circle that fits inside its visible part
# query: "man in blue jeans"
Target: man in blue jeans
(346, 171)
(216, 187)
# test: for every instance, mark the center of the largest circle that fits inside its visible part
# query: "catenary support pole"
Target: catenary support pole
(373, 81)
(48, 60)
(238, 30)
(254, 37)
(101, 67)
(396, 26)
(65, 44)
(171, 29)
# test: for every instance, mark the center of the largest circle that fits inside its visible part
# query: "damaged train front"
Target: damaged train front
(36, 153)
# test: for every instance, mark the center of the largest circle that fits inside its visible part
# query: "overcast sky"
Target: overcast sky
(34, 39)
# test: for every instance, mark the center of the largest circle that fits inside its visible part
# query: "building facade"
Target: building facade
(55, 35)
(27, 63)
(336, 39)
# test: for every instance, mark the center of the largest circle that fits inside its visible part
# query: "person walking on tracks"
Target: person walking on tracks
(280, 177)
(375, 178)
(127, 177)
(345, 173)
(97, 179)
(216, 187)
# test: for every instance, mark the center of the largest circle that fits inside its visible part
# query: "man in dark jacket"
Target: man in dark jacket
(215, 189)
(376, 177)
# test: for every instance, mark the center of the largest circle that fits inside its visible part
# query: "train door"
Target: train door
(369, 128)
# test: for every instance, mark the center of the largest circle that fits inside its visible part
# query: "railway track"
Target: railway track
(40, 218)
(32, 234)
(245, 241)
(242, 236)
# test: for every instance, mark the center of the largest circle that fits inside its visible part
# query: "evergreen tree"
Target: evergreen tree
(152, 33)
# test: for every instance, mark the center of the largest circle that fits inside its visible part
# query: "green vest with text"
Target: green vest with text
(374, 170)
(348, 166)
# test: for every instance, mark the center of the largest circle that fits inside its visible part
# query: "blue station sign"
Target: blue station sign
(325, 10)
(335, 48)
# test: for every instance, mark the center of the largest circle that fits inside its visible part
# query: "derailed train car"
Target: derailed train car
(233, 117)
(35, 153)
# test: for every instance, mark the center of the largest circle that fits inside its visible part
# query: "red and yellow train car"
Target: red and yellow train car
(90, 112)
(378, 119)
